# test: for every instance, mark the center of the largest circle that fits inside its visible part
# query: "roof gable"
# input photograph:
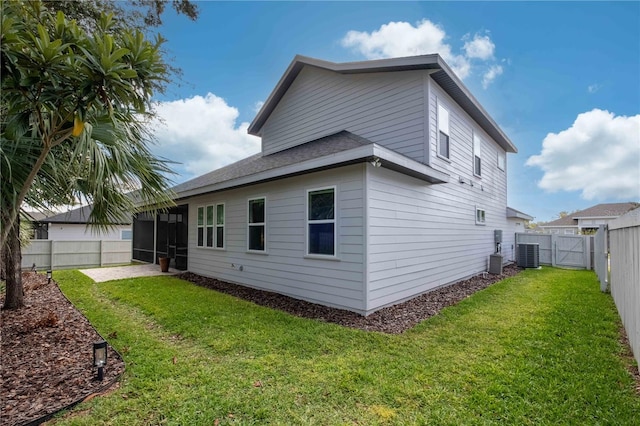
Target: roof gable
(440, 72)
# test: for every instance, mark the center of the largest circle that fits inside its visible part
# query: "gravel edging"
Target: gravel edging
(394, 319)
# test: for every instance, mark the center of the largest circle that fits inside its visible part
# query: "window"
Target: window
(477, 159)
(321, 222)
(569, 232)
(209, 226)
(501, 161)
(480, 216)
(257, 224)
(126, 234)
(443, 132)
(219, 225)
(200, 226)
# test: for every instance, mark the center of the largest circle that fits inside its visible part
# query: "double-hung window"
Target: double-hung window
(257, 224)
(477, 159)
(321, 221)
(443, 132)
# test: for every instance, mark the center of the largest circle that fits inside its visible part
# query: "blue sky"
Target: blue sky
(561, 79)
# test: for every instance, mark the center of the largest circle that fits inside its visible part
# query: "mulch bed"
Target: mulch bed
(394, 319)
(46, 355)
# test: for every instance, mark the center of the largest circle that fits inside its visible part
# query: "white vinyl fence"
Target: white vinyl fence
(567, 251)
(624, 246)
(601, 257)
(49, 254)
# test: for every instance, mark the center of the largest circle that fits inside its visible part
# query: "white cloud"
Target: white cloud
(397, 39)
(202, 134)
(491, 74)
(257, 106)
(481, 47)
(593, 88)
(598, 155)
(403, 39)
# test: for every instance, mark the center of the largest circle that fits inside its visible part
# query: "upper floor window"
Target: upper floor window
(477, 159)
(502, 160)
(321, 221)
(443, 132)
(257, 224)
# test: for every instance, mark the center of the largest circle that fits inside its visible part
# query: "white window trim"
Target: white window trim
(204, 227)
(477, 152)
(502, 165)
(481, 216)
(198, 226)
(264, 224)
(333, 256)
(439, 105)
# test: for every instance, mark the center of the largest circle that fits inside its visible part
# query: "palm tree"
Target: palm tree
(74, 111)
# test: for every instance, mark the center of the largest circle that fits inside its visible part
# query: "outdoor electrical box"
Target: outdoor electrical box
(495, 264)
(497, 235)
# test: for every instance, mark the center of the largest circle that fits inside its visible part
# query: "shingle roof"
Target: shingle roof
(598, 211)
(257, 163)
(81, 215)
(337, 150)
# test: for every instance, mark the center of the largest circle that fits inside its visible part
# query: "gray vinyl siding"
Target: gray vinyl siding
(386, 108)
(422, 236)
(284, 268)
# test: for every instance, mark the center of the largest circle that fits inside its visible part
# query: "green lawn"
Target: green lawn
(539, 348)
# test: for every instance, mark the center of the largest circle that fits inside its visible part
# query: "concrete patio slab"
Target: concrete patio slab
(100, 275)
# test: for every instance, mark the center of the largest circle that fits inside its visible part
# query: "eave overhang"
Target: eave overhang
(386, 158)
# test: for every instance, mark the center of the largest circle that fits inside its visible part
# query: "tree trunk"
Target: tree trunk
(12, 257)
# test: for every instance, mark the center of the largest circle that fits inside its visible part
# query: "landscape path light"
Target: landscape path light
(49, 275)
(100, 357)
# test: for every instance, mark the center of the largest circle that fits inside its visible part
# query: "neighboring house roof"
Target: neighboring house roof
(81, 216)
(35, 216)
(516, 214)
(331, 151)
(440, 72)
(599, 211)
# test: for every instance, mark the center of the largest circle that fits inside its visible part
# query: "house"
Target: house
(377, 181)
(516, 222)
(73, 225)
(587, 220)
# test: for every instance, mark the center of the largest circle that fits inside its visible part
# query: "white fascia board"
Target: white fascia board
(515, 214)
(388, 158)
